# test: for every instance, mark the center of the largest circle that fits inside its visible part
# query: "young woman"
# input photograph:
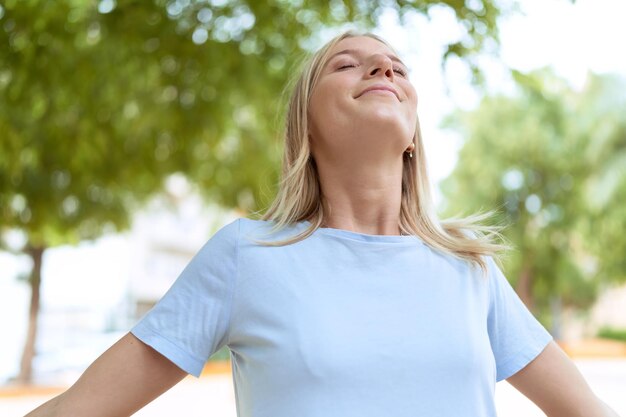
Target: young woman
(349, 297)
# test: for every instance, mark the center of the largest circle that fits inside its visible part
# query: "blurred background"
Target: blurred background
(130, 131)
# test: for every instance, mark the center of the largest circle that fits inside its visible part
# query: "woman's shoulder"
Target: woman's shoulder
(258, 229)
(243, 227)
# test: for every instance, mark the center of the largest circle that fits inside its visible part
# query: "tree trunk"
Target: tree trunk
(26, 365)
(524, 287)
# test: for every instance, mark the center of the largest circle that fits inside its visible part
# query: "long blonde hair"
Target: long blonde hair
(299, 194)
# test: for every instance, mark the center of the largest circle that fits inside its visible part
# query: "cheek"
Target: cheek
(412, 111)
(324, 103)
(318, 112)
(412, 95)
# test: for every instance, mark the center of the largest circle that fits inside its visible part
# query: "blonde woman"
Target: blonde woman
(349, 297)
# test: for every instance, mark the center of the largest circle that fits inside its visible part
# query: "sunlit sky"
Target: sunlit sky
(573, 39)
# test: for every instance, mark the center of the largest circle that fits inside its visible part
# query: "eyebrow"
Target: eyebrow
(359, 52)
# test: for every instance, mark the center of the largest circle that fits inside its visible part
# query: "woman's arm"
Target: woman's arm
(554, 383)
(123, 379)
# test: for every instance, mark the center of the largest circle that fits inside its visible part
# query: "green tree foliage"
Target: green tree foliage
(602, 115)
(552, 159)
(102, 100)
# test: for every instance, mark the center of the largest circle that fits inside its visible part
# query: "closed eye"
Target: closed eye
(400, 71)
(397, 70)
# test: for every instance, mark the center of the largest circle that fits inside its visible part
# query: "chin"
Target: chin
(384, 120)
(385, 114)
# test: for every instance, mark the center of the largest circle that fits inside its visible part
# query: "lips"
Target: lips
(379, 87)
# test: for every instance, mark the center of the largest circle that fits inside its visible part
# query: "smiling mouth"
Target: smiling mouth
(386, 92)
(381, 90)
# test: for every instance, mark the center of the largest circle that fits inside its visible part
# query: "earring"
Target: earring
(411, 154)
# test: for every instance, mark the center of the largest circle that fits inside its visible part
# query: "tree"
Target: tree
(103, 100)
(535, 155)
(601, 114)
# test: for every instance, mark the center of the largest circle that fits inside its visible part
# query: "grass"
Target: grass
(612, 333)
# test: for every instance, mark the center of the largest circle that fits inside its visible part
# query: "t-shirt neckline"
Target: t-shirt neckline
(364, 237)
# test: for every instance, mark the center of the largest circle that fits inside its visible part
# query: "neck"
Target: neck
(363, 199)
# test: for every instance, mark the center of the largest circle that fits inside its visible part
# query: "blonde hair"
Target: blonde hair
(299, 194)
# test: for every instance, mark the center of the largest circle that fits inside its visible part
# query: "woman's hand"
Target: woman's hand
(122, 380)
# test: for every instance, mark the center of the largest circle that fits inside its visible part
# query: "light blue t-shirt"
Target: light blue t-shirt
(345, 324)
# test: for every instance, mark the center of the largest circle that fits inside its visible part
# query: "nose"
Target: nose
(381, 64)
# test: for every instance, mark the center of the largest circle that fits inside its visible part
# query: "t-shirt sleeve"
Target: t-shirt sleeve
(516, 336)
(191, 321)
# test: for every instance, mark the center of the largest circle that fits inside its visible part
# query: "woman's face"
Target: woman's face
(345, 118)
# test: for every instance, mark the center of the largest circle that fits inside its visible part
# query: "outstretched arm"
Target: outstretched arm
(123, 379)
(554, 383)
